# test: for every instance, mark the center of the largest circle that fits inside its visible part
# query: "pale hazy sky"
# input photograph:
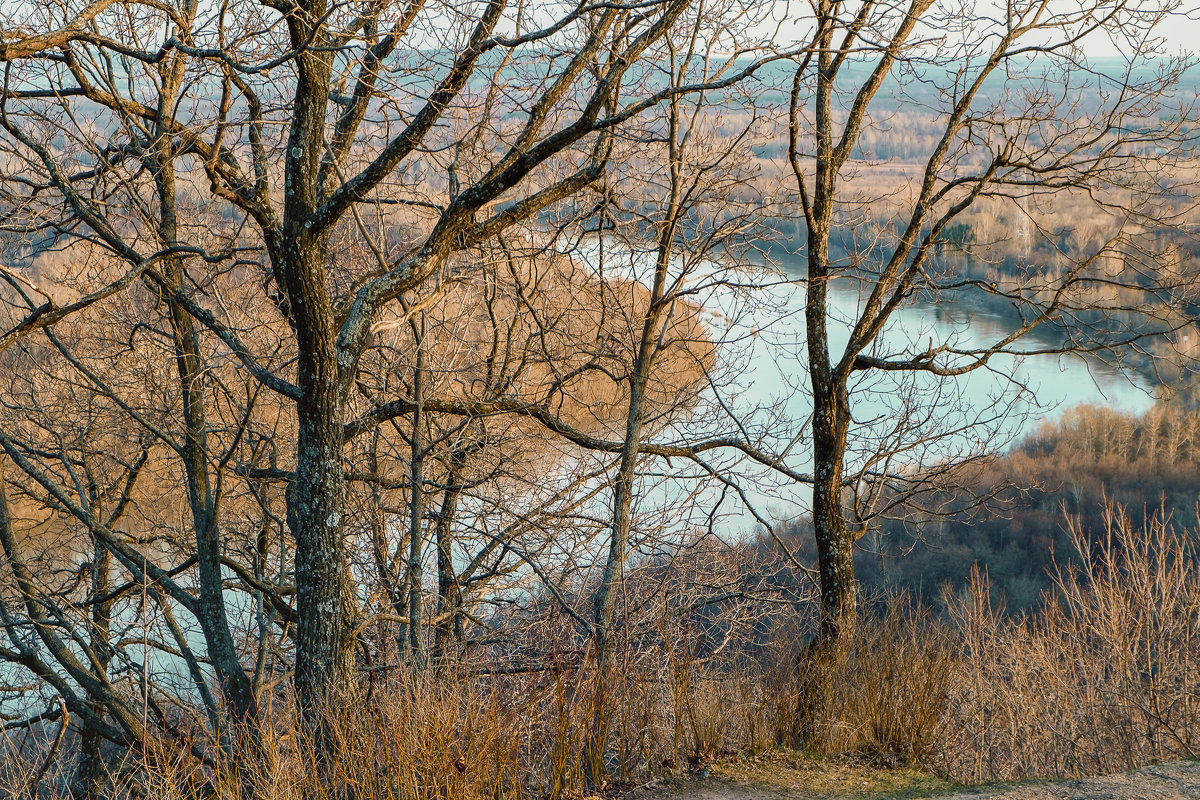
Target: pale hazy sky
(1180, 32)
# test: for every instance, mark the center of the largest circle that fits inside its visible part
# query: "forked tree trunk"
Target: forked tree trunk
(249, 756)
(831, 405)
(317, 507)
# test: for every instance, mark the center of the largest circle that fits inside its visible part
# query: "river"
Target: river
(902, 421)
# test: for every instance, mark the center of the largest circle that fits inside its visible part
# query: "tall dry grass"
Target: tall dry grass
(1104, 676)
(884, 698)
(424, 737)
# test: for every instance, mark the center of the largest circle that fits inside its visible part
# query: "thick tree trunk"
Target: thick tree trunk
(819, 665)
(324, 666)
(835, 544)
(317, 496)
(831, 405)
(316, 511)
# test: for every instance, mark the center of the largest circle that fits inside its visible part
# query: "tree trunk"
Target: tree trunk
(317, 497)
(91, 770)
(604, 606)
(316, 513)
(831, 405)
(416, 525)
(324, 667)
(237, 690)
(447, 639)
(835, 544)
(605, 602)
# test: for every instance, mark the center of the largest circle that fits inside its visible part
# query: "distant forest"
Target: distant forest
(1090, 462)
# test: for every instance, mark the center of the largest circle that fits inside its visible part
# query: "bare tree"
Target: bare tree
(521, 326)
(1023, 118)
(291, 118)
(677, 228)
(356, 293)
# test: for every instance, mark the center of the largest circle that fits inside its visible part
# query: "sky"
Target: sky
(1179, 32)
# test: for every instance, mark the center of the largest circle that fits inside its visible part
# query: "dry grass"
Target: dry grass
(1103, 678)
(885, 699)
(544, 735)
(816, 776)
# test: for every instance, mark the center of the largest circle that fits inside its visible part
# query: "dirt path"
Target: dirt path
(790, 780)
(1163, 781)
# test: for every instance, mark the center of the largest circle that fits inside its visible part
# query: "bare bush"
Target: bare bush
(1104, 677)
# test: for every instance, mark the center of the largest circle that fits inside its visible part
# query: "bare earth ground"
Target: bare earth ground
(797, 778)
(1178, 780)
